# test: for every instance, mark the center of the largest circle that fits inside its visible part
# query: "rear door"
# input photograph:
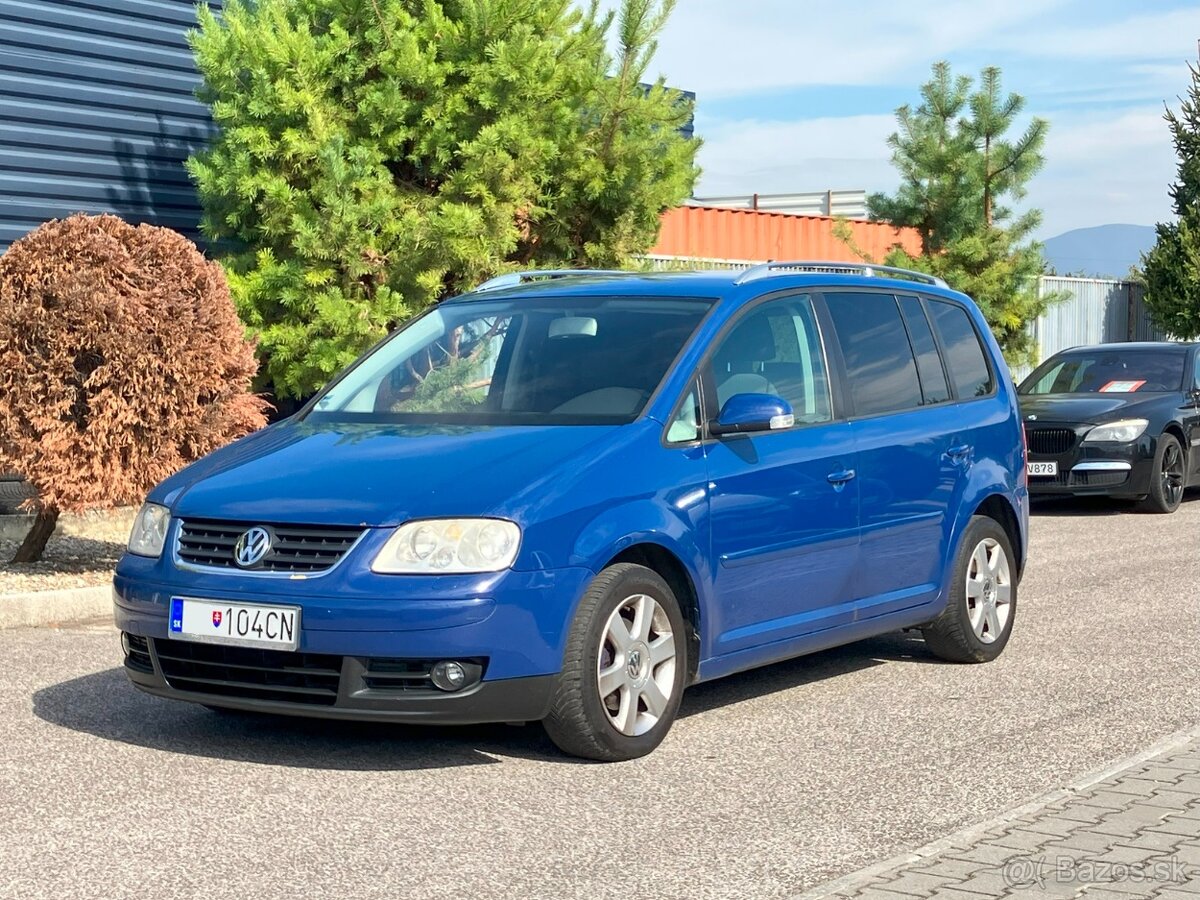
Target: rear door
(914, 444)
(784, 504)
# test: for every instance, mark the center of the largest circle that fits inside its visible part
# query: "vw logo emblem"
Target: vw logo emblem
(251, 547)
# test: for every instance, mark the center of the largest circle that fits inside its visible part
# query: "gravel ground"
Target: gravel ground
(70, 562)
(771, 782)
(82, 553)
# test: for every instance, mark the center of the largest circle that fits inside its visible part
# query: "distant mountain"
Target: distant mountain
(1106, 251)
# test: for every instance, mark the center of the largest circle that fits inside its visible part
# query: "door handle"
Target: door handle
(960, 454)
(839, 479)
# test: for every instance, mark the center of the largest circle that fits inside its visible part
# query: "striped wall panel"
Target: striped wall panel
(97, 112)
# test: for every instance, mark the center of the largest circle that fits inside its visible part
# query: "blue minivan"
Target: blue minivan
(566, 496)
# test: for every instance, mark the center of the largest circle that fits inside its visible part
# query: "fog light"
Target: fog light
(448, 675)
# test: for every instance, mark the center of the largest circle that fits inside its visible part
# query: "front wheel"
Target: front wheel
(1167, 479)
(978, 619)
(624, 668)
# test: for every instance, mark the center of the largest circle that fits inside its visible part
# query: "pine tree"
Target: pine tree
(957, 172)
(378, 155)
(1172, 267)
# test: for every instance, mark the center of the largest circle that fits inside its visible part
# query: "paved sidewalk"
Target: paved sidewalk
(1126, 834)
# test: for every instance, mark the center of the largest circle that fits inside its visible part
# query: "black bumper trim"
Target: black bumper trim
(505, 700)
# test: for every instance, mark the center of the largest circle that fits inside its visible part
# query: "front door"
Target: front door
(783, 504)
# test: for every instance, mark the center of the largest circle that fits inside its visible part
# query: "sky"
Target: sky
(798, 96)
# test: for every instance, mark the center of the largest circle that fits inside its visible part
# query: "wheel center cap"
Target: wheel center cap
(637, 663)
(989, 590)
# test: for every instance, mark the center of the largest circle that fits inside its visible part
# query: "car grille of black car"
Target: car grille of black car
(1051, 441)
(251, 673)
(294, 548)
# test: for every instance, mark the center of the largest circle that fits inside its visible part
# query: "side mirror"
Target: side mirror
(748, 413)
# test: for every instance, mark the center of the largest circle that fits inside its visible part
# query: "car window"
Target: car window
(686, 424)
(1196, 377)
(965, 359)
(929, 361)
(880, 366)
(553, 359)
(775, 348)
(1108, 371)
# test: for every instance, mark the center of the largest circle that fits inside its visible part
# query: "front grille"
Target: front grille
(137, 653)
(406, 675)
(280, 675)
(294, 548)
(1051, 441)
(1098, 479)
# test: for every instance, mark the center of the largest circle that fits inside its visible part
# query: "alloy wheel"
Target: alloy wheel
(989, 590)
(1172, 474)
(636, 666)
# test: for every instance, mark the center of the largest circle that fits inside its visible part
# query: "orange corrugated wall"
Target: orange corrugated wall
(704, 232)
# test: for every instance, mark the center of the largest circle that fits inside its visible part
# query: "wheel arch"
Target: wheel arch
(998, 508)
(675, 573)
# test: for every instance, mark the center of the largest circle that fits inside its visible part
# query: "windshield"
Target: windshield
(553, 360)
(1107, 372)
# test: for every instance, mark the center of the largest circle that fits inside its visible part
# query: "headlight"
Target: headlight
(150, 530)
(445, 546)
(1117, 432)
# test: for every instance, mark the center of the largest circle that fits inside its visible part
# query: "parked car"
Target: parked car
(567, 496)
(1115, 419)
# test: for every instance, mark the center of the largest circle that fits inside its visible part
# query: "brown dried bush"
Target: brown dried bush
(121, 360)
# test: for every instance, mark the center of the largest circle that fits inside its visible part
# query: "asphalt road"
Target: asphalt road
(771, 782)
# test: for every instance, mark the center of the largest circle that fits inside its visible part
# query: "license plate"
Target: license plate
(1035, 469)
(243, 624)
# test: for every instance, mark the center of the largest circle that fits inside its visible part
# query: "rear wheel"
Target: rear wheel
(624, 667)
(1167, 479)
(978, 619)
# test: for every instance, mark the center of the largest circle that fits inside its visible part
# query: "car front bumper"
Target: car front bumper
(361, 657)
(1122, 470)
(342, 689)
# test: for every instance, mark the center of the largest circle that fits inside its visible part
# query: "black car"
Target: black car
(1115, 419)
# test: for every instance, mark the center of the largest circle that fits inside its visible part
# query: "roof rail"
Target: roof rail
(515, 279)
(836, 268)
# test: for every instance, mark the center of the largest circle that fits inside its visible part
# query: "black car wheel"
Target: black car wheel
(624, 669)
(1167, 479)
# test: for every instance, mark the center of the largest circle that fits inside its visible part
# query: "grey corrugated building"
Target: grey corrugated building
(97, 112)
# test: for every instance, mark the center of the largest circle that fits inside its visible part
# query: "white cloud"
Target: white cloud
(723, 49)
(1143, 36)
(1104, 168)
(768, 157)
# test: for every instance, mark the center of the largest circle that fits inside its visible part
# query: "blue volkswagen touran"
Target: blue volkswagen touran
(567, 496)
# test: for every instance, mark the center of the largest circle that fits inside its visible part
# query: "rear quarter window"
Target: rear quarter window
(965, 358)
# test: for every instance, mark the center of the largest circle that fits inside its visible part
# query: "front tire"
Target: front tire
(1168, 478)
(978, 619)
(624, 668)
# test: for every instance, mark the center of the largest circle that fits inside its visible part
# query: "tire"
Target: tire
(13, 493)
(623, 725)
(1168, 477)
(966, 631)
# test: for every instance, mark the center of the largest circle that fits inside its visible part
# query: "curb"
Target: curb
(38, 608)
(860, 879)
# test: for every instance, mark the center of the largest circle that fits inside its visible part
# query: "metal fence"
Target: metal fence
(1095, 311)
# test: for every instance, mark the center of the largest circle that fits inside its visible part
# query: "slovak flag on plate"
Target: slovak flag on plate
(216, 618)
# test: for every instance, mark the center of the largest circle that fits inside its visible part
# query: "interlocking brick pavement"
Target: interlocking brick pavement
(1130, 832)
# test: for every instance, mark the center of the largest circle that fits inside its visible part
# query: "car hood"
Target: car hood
(1090, 409)
(374, 474)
